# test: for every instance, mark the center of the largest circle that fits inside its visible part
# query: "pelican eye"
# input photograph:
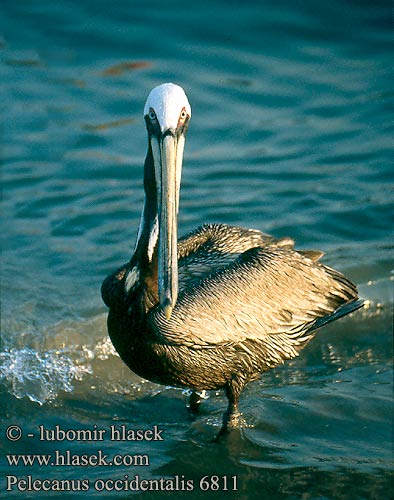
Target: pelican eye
(182, 117)
(152, 115)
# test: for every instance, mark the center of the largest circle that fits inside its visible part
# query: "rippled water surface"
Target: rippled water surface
(290, 134)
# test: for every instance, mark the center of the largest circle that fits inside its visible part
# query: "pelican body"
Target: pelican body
(221, 305)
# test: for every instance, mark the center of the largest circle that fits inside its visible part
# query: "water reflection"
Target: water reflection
(290, 134)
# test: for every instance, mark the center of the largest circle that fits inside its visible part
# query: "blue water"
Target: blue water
(291, 133)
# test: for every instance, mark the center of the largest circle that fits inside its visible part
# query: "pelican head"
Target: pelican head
(167, 112)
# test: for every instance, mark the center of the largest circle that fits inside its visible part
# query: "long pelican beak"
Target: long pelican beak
(168, 176)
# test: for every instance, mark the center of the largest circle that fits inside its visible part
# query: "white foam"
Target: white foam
(40, 375)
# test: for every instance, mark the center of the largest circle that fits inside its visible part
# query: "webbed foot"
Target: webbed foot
(195, 400)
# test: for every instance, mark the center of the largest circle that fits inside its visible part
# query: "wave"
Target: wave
(40, 376)
(59, 359)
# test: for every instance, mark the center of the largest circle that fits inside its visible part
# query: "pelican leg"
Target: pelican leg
(232, 414)
(194, 402)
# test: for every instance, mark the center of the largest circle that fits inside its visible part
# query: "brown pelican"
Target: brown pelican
(221, 305)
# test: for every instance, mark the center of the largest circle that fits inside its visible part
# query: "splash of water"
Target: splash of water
(39, 376)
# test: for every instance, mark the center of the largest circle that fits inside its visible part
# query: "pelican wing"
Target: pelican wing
(215, 246)
(273, 295)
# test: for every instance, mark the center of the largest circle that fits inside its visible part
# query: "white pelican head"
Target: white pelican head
(167, 113)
